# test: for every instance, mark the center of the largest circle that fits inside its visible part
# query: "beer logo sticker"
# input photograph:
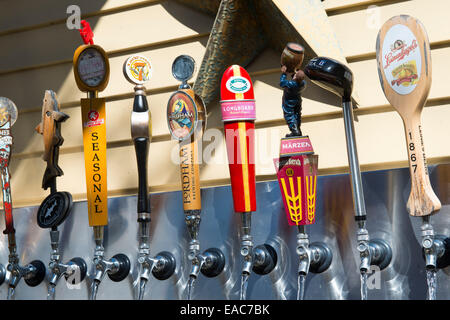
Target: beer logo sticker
(94, 120)
(402, 61)
(182, 115)
(238, 85)
(137, 69)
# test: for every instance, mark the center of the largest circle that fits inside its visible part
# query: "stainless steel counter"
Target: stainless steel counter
(386, 195)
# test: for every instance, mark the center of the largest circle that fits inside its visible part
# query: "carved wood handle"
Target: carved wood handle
(422, 200)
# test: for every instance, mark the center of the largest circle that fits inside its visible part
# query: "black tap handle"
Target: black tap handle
(141, 133)
(142, 146)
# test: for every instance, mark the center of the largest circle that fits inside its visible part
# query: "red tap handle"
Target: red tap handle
(86, 32)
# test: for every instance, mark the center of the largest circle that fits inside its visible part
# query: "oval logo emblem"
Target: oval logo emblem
(182, 115)
(402, 62)
(238, 85)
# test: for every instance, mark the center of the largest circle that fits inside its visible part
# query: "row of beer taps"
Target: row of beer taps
(296, 169)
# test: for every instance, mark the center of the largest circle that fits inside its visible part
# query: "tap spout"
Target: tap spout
(197, 264)
(436, 248)
(364, 250)
(262, 259)
(303, 252)
(246, 243)
(372, 252)
(162, 266)
(117, 268)
(33, 273)
(74, 271)
(315, 257)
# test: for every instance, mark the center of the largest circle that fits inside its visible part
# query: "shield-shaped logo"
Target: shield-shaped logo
(297, 177)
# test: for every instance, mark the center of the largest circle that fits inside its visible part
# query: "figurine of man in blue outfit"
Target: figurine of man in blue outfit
(292, 100)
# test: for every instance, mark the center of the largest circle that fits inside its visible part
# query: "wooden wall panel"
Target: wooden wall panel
(358, 35)
(136, 27)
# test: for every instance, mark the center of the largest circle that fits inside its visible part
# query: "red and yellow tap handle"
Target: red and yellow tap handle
(239, 115)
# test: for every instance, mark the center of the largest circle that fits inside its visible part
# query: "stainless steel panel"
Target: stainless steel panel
(386, 194)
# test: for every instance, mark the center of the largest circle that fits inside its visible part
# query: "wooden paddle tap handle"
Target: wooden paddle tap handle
(422, 200)
(50, 128)
(404, 68)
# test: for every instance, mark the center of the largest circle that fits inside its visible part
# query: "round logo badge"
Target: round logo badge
(54, 209)
(183, 67)
(137, 69)
(8, 110)
(289, 172)
(238, 85)
(402, 61)
(182, 115)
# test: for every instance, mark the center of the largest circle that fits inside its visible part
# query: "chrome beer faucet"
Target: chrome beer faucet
(436, 248)
(74, 271)
(212, 261)
(262, 259)
(117, 268)
(314, 257)
(162, 266)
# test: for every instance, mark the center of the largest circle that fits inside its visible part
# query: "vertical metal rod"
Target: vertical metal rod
(355, 172)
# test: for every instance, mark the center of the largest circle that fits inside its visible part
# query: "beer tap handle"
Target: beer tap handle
(141, 134)
(8, 117)
(137, 70)
(50, 128)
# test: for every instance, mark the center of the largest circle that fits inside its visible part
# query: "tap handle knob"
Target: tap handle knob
(168, 265)
(38, 274)
(216, 264)
(265, 259)
(123, 270)
(2, 274)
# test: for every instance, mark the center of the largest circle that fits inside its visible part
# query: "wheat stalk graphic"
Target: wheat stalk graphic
(311, 196)
(294, 202)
